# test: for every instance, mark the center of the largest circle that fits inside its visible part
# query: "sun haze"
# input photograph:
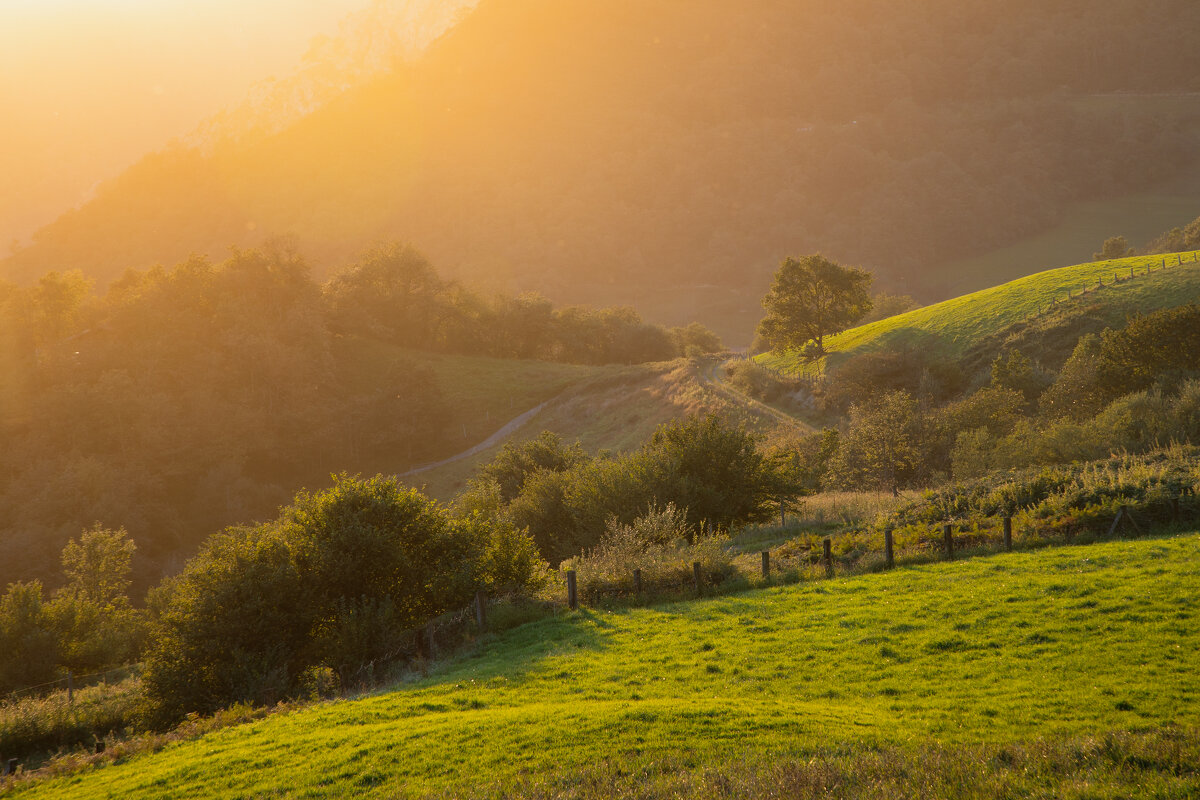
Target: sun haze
(89, 86)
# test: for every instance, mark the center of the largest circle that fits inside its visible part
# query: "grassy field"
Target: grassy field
(951, 327)
(1051, 673)
(1084, 226)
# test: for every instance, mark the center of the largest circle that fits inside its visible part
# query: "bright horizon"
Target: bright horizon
(89, 86)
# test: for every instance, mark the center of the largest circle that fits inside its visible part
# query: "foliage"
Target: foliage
(884, 305)
(513, 465)
(704, 465)
(751, 378)
(1160, 345)
(1014, 370)
(694, 339)
(882, 446)
(661, 544)
(1177, 240)
(811, 298)
(335, 581)
(88, 625)
(46, 723)
(871, 375)
(27, 637)
(1114, 247)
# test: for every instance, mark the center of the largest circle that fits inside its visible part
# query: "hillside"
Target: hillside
(953, 327)
(1017, 675)
(520, 153)
(617, 409)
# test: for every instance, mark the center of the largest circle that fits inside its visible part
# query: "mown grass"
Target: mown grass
(963, 660)
(952, 326)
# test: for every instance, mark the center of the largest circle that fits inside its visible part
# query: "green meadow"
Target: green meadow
(952, 326)
(967, 665)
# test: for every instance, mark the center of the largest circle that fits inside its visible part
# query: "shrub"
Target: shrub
(333, 583)
(702, 464)
(661, 545)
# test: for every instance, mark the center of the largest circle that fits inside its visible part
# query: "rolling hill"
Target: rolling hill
(1027, 674)
(954, 327)
(617, 409)
(520, 152)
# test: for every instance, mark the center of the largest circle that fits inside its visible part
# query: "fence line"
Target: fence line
(1116, 278)
(943, 541)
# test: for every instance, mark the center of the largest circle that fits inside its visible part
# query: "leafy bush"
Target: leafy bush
(334, 582)
(661, 544)
(88, 625)
(755, 380)
(702, 464)
(37, 724)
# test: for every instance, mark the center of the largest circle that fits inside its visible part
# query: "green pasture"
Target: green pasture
(1010, 648)
(952, 326)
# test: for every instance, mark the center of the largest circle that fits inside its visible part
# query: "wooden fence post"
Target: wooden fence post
(1136, 528)
(766, 564)
(10, 767)
(637, 581)
(889, 554)
(1175, 509)
(572, 595)
(481, 610)
(70, 688)
(1116, 520)
(430, 641)
(948, 539)
(699, 578)
(828, 557)
(1008, 534)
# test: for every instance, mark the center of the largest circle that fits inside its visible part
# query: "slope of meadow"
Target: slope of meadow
(952, 327)
(1022, 653)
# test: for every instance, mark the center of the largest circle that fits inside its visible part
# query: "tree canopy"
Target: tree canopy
(811, 298)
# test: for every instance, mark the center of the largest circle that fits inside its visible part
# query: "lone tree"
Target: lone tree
(1114, 247)
(811, 298)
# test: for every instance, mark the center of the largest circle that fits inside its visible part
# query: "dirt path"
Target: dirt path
(496, 438)
(713, 374)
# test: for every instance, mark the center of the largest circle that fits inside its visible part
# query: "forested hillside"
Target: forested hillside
(182, 400)
(578, 147)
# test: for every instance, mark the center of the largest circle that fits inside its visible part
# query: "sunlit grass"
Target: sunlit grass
(1018, 647)
(951, 327)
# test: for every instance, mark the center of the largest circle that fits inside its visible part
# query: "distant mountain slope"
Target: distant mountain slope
(954, 327)
(669, 153)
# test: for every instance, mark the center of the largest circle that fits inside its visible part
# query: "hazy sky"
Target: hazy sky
(88, 86)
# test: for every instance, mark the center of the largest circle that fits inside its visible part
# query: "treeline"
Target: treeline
(905, 419)
(184, 399)
(394, 294)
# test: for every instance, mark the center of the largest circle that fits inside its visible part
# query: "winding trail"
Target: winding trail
(713, 374)
(508, 430)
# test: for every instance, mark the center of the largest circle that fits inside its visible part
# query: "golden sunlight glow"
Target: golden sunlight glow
(89, 86)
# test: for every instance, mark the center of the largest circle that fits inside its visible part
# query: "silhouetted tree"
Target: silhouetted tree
(811, 298)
